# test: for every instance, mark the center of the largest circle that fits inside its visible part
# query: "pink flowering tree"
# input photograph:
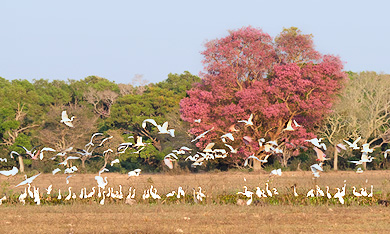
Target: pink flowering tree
(276, 80)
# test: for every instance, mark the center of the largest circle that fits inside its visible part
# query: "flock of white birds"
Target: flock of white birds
(208, 153)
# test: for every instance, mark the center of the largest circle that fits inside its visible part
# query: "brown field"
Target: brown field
(77, 217)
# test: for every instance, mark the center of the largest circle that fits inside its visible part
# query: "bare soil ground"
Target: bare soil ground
(199, 218)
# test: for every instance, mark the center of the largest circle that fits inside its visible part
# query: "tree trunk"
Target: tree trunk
(21, 164)
(83, 163)
(335, 159)
(256, 165)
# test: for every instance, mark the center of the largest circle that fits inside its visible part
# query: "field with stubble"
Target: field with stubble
(209, 216)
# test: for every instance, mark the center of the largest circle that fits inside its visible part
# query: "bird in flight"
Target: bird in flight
(65, 119)
(354, 144)
(11, 172)
(247, 122)
(28, 180)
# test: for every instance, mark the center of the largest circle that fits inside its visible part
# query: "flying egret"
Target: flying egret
(168, 162)
(28, 180)
(55, 171)
(253, 157)
(366, 148)
(276, 172)
(135, 172)
(296, 124)
(45, 149)
(11, 172)
(114, 161)
(68, 158)
(202, 135)
(90, 143)
(316, 168)
(232, 150)
(65, 119)
(354, 144)
(316, 142)
(289, 126)
(247, 122)
(227, 135)
(232, 128)
(103, 170)
(209, 147)
(67, 178)
(12, 154)
(340, 147)
(139, 142)
(385, 153)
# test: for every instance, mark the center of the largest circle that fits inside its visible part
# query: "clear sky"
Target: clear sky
(119, 39)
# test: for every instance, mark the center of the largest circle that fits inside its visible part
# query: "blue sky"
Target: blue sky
(119, 39)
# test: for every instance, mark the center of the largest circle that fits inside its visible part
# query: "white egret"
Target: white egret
(65, 119)
(227, 135)
(135, 172)
(316, 168)
(202, 135)
(23, 196)
(366, 148)
(356, 194)
(28, 180)
(103, 170)
(168, 162)
(67, 178)
(232, 150)
(56, 171)
(316, 142)
(354, 144)
(11, 172)
(67, 198)
(45, 149)
(289, 126)
(246, 192)
(209, 147)
(310, 193)
(277, 172)
(296, 124)
(247, 122)
(102, 183)
(114, 161)
(49, 189)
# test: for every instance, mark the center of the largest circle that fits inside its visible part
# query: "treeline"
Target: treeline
(30, 114)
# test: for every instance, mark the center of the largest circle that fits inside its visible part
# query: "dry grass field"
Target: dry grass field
(77, 217)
